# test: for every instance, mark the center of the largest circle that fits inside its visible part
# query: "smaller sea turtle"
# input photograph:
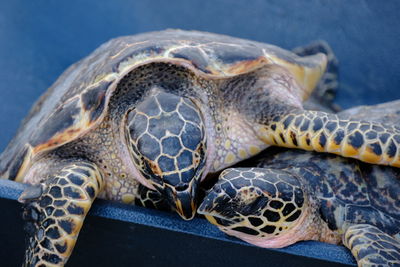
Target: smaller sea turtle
(297, 195)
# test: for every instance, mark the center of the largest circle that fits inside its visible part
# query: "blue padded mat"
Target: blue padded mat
(39, 39)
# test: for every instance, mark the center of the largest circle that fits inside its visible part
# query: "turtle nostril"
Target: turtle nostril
(181, 187)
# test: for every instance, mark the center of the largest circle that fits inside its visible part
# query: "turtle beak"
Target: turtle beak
(185, 205)
(208, 207)
(183, 201)
(215, 210)
(220, 205)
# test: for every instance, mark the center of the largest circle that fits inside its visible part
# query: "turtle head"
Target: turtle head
(260, 206)
(167, 141)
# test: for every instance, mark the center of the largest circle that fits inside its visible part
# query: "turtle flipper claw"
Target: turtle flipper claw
(327, 87)
(372, 247)
(31, 192)
(54, 214)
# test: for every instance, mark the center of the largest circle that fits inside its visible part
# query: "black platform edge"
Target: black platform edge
(112, 233)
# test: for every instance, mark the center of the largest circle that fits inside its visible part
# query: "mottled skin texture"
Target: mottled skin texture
(297, 195)
(54, 210)
(244, 93)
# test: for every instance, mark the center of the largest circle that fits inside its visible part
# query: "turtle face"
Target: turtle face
(167, 141)
(260, 206)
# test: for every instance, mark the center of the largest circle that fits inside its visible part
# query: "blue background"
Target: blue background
(39, 39)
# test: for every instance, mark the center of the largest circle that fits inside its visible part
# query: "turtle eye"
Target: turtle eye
(167, 140)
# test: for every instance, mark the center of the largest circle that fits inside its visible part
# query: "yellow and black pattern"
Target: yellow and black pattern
(168, 143)
(54, 212)
(254, 201)
(372, 247)
(322, 132)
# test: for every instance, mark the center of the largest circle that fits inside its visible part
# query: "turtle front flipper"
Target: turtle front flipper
(323, 132)
(54, 212)
(372, 247)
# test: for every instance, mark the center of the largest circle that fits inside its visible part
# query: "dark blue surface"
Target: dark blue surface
(39, 39)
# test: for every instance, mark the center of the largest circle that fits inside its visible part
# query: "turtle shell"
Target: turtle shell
(78, 100)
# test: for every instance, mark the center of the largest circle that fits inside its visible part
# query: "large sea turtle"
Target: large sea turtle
(163, 109)
(295, 195)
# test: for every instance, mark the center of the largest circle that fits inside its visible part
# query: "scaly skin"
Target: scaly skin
(167, 138)
(322, 132)
(55, 209)
(372, 247)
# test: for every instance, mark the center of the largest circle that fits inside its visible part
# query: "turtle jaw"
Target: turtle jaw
(184, 202)
(303, 230)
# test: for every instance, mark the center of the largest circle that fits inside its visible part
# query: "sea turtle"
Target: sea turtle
(295, 195)
(321, 99)
(163, 109)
